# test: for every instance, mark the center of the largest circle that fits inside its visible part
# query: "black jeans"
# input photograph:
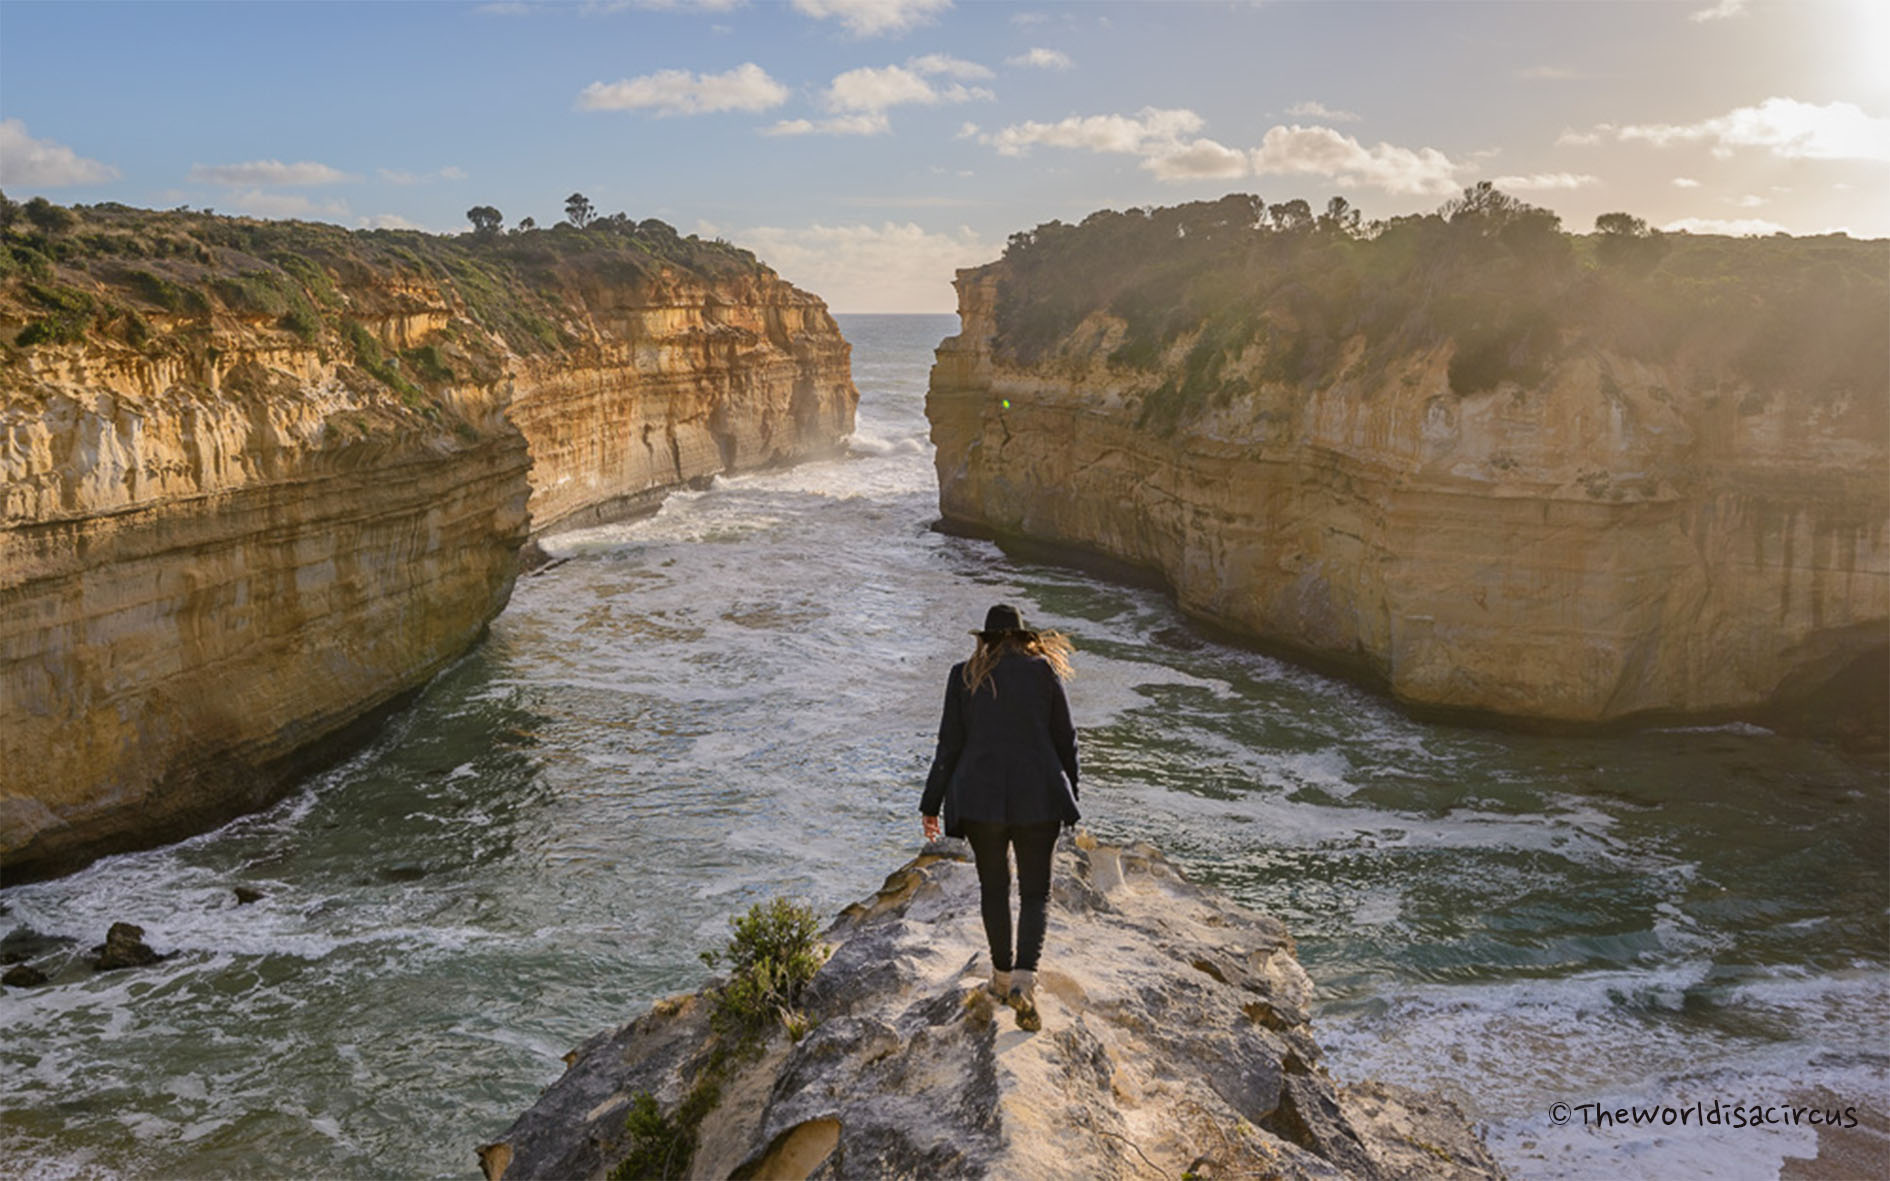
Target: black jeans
(1034, 844)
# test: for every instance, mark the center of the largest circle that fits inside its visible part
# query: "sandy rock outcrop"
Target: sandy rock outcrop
(1618, 540)
(1175, 1040)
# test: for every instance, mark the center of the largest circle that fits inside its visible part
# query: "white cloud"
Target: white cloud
(1547, 180)
(1736, 227)
(747, 87)
(1720, 11)
(28, 161)
(954, 67)
(1791, 129)
(891, 267)
(1321, 151)
(1151, 130)
(260, 203)
(1313, 110)
(874, 89)
(871, 123)
(1200, 160)
(1749, 201)
(1042, 59)
(267, 172)
(1685, 182)
(871, 18)
(498, 8)
(387, 221)
(1570, 138)
(395, 176)
(1025, 19)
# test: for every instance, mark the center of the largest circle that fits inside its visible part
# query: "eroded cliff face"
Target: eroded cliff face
(1618, 538)
(677, 381)
(209, 570)
(261, 479)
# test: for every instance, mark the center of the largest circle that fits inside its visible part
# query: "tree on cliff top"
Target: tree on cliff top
(485, 219)
(579, 210)
(50, 218)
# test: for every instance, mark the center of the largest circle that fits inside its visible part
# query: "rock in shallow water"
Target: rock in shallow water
(1174, 1040)
(124, 947)
(23, 976)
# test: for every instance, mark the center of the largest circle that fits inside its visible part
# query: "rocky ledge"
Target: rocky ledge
(1175, 1042)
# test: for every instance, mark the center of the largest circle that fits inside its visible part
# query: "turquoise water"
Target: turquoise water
(735, 698)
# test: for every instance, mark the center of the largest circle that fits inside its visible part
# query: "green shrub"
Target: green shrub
(254, 294)
(663, 1146)
(429, 364)
(304, 322)
(172, 297)
(772, 954)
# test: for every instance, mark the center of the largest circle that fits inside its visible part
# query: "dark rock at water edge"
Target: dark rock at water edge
(23, 976)
(25, 944)
(247, 894)
(124, 947)
(1175, 1040)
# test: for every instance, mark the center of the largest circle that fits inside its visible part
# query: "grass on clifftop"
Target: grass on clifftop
(1494, 275)
(164, 282)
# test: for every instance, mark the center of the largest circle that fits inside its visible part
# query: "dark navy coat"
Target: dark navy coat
(1008, 756)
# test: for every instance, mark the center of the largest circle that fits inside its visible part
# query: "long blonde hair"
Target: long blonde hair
(1054, 647)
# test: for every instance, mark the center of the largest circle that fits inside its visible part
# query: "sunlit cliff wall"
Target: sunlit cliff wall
(262, 479)
(1595, 536)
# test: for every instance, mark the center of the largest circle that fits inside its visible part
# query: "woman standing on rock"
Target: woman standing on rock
(1005, 774)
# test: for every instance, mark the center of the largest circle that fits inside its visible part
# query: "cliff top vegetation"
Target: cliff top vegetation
(161, 281)
(1496, 278)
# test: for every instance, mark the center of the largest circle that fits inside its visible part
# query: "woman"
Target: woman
(1005, 774)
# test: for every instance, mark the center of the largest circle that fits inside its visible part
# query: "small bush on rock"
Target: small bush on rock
(772, 954)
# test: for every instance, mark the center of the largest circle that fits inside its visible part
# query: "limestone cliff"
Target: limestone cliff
(1175, 1042)
(1539, 514)
(260, 479)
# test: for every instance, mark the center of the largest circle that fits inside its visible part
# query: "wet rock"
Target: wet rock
(403, 873)
(23, 976)
(1178, 638)
(248, 894)
(124, 947)
(26, 944)
(1175, 1040)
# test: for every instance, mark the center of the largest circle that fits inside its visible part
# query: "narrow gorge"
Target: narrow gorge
(1491, 467)
(261, 479)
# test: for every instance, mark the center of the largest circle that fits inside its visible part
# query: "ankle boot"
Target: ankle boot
(1000, 985)
(1023, 999)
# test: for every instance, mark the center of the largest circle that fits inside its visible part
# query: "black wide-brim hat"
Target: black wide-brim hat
(1003, 620)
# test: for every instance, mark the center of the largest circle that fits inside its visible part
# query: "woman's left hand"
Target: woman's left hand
(931, 828)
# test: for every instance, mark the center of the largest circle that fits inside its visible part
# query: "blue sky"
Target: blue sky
(865, 148)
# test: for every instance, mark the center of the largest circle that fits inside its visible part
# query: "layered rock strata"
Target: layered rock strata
(1617, 540)
(261, 479)
(207, 572)
(678, 381)
(1175, 1042)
